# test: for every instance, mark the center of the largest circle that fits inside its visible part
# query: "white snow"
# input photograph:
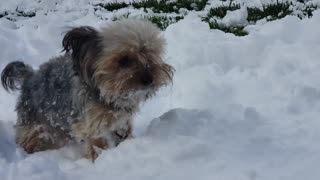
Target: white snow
(244, 108)
(236, 18)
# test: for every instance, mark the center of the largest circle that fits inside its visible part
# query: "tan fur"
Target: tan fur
(97, 119)
(39, 138)
(94, 146)
(102, 122)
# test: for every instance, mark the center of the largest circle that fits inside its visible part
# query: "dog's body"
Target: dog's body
(92, 92)
(54, 102)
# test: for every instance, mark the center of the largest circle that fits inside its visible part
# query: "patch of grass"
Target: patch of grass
(25, 14)
(165, 6)
(236, 30)
(113, 5)
(222, 11)
(3, 14)
(17, 12)
(271, 12)
(163, 21)
(116, 18)
(158, 6)
(307, 10)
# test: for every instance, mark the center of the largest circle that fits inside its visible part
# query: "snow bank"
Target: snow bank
(239, 107)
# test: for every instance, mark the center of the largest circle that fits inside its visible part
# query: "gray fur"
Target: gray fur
(55, 97)
(47, 96)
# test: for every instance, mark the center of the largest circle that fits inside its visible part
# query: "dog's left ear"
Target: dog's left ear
(84, 45)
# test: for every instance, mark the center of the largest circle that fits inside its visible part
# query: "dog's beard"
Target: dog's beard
(128, 100)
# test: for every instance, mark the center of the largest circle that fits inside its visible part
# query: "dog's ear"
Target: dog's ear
(84, 45)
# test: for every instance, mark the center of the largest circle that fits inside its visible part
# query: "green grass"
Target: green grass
(163, 21)
(236, 30)
(158, 6)
(113, 5)
(222, 10)
(308, 9)
(164, 6)
(271, 12)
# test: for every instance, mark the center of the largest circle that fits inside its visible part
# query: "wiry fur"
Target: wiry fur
(92, 92)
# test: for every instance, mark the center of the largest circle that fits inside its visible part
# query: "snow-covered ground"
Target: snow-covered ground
(239, 108)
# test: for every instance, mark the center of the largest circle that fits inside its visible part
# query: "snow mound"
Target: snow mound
(239, 107)
(236, 18)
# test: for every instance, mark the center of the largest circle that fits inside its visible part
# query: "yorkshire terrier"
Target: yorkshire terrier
(91, 93)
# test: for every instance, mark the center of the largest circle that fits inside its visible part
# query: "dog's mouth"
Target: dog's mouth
(139, 94)
(127, 99)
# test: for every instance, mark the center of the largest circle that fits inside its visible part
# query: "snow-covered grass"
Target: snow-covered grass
(244, 108)
(238, 14)
(230, 16)
(235, 16)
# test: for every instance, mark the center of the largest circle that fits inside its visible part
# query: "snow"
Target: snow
(242, 108)
(236, 18)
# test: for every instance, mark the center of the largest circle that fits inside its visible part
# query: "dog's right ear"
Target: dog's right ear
(84, 45)
(77, 37)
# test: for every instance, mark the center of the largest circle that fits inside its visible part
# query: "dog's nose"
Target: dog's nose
(146, 79)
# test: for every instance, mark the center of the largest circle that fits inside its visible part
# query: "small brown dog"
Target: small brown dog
(91, 93)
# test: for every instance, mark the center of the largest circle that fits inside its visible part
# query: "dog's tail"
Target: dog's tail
(14, 74)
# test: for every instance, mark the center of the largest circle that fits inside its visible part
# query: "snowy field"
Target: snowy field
(239, 108)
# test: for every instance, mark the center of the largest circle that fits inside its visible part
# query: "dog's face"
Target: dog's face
(124, 60)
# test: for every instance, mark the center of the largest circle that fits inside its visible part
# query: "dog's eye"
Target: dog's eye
(124, 62)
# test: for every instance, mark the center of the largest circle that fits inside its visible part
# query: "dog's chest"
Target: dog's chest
(98, 120)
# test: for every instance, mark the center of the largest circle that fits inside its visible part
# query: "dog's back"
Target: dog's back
(46, 94)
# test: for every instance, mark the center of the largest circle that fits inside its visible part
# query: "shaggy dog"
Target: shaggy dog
(91, 93)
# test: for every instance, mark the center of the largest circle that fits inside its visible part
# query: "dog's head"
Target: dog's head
(124, 60)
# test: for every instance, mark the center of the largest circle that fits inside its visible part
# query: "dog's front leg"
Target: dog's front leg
(95, 129)
(94, 145)
(101, 127)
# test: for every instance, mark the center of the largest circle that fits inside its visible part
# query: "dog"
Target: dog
(90, 94)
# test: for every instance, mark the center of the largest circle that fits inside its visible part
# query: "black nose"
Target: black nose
(146, 79)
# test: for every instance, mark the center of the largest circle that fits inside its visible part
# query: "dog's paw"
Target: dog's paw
(35, 139)
(94, 147)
